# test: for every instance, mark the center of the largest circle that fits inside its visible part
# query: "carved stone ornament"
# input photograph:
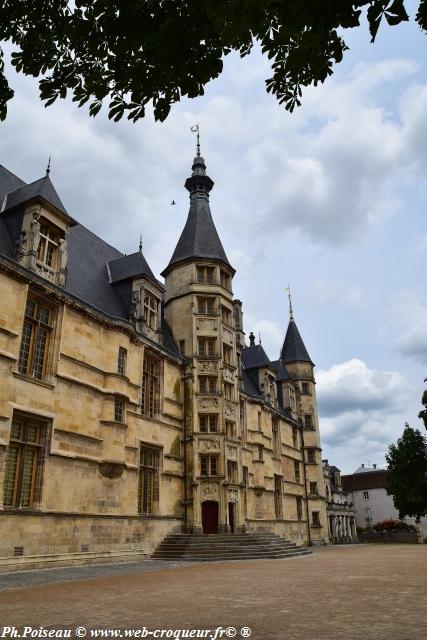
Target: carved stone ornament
(209, 489)
(233, 494)
(227, 336)
(258, 491)
(232, 453)
(207, 366)
(111, 469)
(208, 403)
(62, 254)
(206, 324)
(209, 445)
(228, 374)
(230, 411)
(21, 247)
(35, 234)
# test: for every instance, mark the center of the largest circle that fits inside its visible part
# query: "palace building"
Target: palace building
(133, 408)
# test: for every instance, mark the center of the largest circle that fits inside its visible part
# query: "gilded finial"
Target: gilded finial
(48, 167)
(195, 129)
(291, 312)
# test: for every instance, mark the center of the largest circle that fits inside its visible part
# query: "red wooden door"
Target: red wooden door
(210, 516)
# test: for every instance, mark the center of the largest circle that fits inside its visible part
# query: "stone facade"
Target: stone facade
(340, 510)
(129, 409)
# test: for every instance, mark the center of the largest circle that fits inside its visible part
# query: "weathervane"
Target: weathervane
(195, 129)
(140, 243)
(291, 313)
(48, 166)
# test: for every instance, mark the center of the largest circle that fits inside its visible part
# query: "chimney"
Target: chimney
(251, 339)
(362, 465)
(374, 466)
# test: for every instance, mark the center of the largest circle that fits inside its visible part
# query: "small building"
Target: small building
(339, 508)
(366, 487)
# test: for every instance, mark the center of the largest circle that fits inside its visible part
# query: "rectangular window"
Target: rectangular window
(229, 391)
(208, 465)
(297, 471)
(148, 485)
(119, 409)
(230, 429)
(150, 400)
(260, 453)
(208, 423)
(308, 421)
(278, 497)
(245, 477)
(48, 245)
(259, 421)
(313, 489)
(311, 456)
(292, 399)
(207, 347)
(227, 353)
(206, 306)
(24, 462)
(226, 315)
(277, 445)
(305, 388)
(225, 280)
(36, 338)
(299, 508)
(315, 519)
(205, 275)
(121, 361)
(207, 384)
(232, 471)
(150, 310)
(366, 495)
(295, 437)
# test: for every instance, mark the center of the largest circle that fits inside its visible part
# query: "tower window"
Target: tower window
(278, 497)
(305, 388)
(308, 422)
(208, 423)
(121, 361)
(295, 437)
(277, 445)
(225, 280)
(227, 352)
(228, 391)
(207, 384)
(119, 409)
(208, 465)
(313, 489)
(315, 519)
(311, 456)
(206, 306)
(297, 471)
(207, 347)
(230, 429)
(299, 508)
(232, 471)
(226, 315)
(205, 275)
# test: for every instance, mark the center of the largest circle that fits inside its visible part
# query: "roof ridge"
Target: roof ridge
(13, 174)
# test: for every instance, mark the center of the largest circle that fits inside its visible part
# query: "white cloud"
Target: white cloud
(329, 292)
(410, 313)
(362, 410)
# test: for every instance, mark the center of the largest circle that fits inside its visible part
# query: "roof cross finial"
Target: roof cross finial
(195, 129)
(140, 243)
(48, 166)
(291, 312)
(259, 337)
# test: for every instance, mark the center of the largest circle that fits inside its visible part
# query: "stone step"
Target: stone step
(222, 547)
(223, 558)
(70, 559)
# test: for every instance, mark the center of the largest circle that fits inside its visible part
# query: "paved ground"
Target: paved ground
(340, 593)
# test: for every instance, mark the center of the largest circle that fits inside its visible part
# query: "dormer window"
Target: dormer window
(48, 247)
(150, 311)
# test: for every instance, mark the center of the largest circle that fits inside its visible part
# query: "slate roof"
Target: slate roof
(199, 238)
(42, 188)
(254, 357)
(248, 385)
(362, 481)
(293, 349)
(87, 273)
(282, 373)
(130, 266)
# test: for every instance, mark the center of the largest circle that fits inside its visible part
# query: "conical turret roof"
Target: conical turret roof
(293, 349)
(199, 238)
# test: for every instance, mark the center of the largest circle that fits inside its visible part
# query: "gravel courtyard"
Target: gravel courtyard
(363, 591)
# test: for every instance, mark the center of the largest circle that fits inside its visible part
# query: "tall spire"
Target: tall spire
(199, 238)
(291, 313)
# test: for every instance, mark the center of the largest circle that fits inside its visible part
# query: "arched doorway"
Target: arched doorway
(210, 516)
(231, 516)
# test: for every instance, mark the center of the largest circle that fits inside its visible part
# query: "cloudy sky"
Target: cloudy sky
(330, 199)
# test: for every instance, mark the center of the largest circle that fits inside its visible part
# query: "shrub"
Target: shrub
(393, 525)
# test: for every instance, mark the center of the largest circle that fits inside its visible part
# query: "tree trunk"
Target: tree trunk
(420, 535)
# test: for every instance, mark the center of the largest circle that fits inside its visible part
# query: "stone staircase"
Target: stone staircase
(226, 546)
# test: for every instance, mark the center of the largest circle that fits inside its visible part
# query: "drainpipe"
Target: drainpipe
(185, 403)
(307, 514)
